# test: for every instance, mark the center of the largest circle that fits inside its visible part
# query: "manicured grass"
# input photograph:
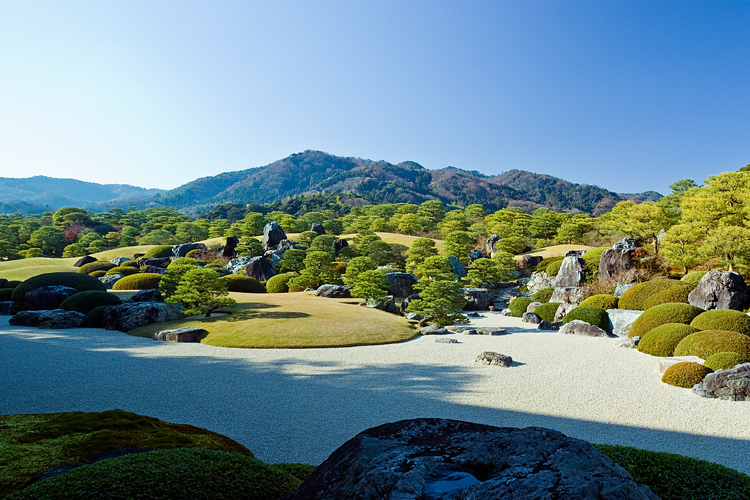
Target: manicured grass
(554, 251)
(295, 320)
(24, 273)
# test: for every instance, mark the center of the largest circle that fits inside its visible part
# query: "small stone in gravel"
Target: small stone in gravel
(446, 341)
(491, 331)
(630, 343)
(494, 358)
(470, 331)
(506, 312)
(665, 363)
(433, 330)
(184, 334)
(578, 327)
(530, 317)
(546, 325)
(474, 315)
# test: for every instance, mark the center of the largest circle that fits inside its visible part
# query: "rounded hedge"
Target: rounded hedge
(591, 315)
(194, 253)
(547, 311)
(194, 473)
(600, 301)
(706, 343)
(542, 264)
(725, 360)
(95, 317)
(279, 283)
(159, 251)
(672, 294)
(129, 263)
(83, 302)
(554, 267)
(661, 315)
(543, 295)
(186, 261)
(635, 298)
(125, 271)
(13, 284)
(6, 294)
(519, 305)
(693, 277)
(662, 340)
(81, 282)
(723, 319)
(243, 284)
(685, 374)
(98, 274)
(140, 281)
(95, 266)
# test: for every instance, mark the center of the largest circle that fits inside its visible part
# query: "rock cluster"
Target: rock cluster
(182, 250)
(272, 236)
(47, 297)
(478, 299)
(55, 318)
(720, 290)
(732, 384)
(131, 315)
(613, 262)
(259, 268)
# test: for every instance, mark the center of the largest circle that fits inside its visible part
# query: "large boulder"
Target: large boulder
(529, 261)
(401, 284)
(86, 259)
(626, 244)
(620, 321)
(388, 304)
(154, 262)
(578, 327)
(272, 235)
(109, 281)
(119, 260)
(431, 458)
(720, 290)
(47, 297)
(333, 291)
(732, 384)
(569, 295)
(458, 268)
(182, 250)
(614, 261)
(259, 268)
(317, 228)
(478, 299)
(539, 281)
(235, 265)
(56, 318)
(274, 257)
(183, 334)
(476, 255)
(339, 244)
(284, 245)
(530, 317)
(150, 295)
(571, 273)
(154, 270)
(230, 251)
(131, 315)
(489, 246)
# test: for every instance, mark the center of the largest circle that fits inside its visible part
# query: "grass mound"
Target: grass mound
(543, 295)
(81, 282)
(95, 266)
(84, 302)
(547, 311)
(141, 281)
(709, 342)
(662, 340)
(685, 374)
(723, 319)
(661, 315)
(554, 267)
(124, 270)
(600, 301)
(243, 284)
(635, 298)
(676, 294)
(693, 277)
(725, 360)
(519, 305)
(591, 315)
(159, 251)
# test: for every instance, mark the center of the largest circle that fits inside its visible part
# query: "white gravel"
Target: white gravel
(300, 405)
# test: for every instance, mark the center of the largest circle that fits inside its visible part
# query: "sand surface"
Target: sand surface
(300, 405)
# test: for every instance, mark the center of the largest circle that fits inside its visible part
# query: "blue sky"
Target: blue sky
(630, 96)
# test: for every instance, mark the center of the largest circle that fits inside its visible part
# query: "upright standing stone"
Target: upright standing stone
(272, 235)
(613, 262)
(571, 273)
(317, 228)
(720, 290)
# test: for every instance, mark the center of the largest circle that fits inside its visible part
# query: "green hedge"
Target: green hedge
(141, 281)
(95, 266)
(6, 294)
(543, 295)
(591, 315)
(635, 298)
(95, 317)
(685, 374)
(723, 319)
(554, 267)
(81, 282)
(725, 360)
(662, 340)
(693, 277)
(706, 343)
(547, 311)
(159, 251)
(591, 258)
(675, 294)
(124, 270)
(129, 263)
(661, 315)
(98, 274)
(243, 284)
(600, 301)
(519, 305)
(279, 283)
(84, 302)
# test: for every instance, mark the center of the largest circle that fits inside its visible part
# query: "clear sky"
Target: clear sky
(630, 96)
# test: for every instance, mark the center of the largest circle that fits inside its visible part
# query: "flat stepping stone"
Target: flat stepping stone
(184, 334)
(446, 341)
(491, 331)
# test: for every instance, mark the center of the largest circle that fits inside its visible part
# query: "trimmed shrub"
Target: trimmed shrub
(518, 306)
(542, 265)
(591, 258)
(159, 251)
(81, 282)
(694, 277)
(674, 294)
(685, 374)
(591, 315)
(600, 301)
(129, 263)
(725, 360)
(6, 294)
(706, 343)
(125, 271)
(661, 315)
(243, 284)
(140, 281)
(662, 340)
(98, 274)
(547, 311)
(279, 283)
(635, 298)
(554, 267)
(723, 319)
(543, 295)
(95, 266)
(186, 261)
(195, 253)
(12, 284)
(83, 302)
(95, 317)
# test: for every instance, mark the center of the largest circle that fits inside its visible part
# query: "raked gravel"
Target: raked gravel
(299, 405)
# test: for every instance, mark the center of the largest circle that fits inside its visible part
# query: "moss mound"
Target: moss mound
(661, 315)
(635, 298)
(129, 263)
(591, 258)
(98, 274)
(519, 305)
(141, 281)
(95, 266)
(693, 277)
(95, 317)
(685, 374)
(676, 294)
(600, 301)
(159, 251)
(723, 319)
(542, 264)
(279, 283)
(124, 270)
(591, 315)
(662, 340)
(6, 294)
(554, 267)
(243, 284)
(547, 311)
(725, 360)
(543, 295)
(81, 282)
(706, 343)
(83, 302)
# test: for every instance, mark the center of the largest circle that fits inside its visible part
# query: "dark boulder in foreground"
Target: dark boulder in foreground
(48, 297)
(448, 459)
(131, 315)
(56, 318)
(720, 290)
(333, 291)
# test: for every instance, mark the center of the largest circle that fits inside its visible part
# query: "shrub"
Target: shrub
(186, 261)
(339, 267)
(547, 311)
(95, 317)
(601, 301)
(542, 264)
(694, 277)
(83, 302)
(124, 270)
(661, 315)
(725, 360)
(591, 258)
(591, 315)
(704, 344)
(140, 281)
(129, 263)
(201, 291)
(279, 283)
(685, 374)
(98, 274)
(159, 251)
(672, 294)
(543, 295)
(5, 294)
(12, 284)
(554, 267)
(518, 306)
(95, 266)
(195, 253)
(723, 319)
(243, 284)
(662, 340)
(635, 298)
(81, 282)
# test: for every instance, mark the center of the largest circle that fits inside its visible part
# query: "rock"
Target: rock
(137, 256)
(505, 295)
(131, 315)
(434, 330)
(235, 265)
(119, 260)
(274, 257)
(154, 261)
(489, 247)
(568, 295)
(529, 261)
(539, 281)
(317, 228)
(182, 250)
(431, 458)
(400, 284)
(339, 245)
(732, 384)
(631, 343)
(531, 318)
(86, 259)
(578, 327)
(333, 291)
(532, 307)
(272, 235)
(151, 295)
(571, 273)
(664, 363)
(720, 290)
(620, 321)
(491, 331)
(110, 280)
(154, 270)
(563, 310)
(184, 334)
(546, 325)
(614, 261)
(259, 268)
(494, 358)
(55, 318)
(458, 268)
(476, 255)
(574, 253)
(620, 289)
(478, 299)
(506, 312)
(407, 301)
(626, 244)
(6, 308)
(284, 245)
(47, 297)
(470, 331)
(230, 251)
(387, 305)
(413, 316)
(446, 341)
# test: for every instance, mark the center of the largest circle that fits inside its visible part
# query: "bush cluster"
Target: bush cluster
(124, 270)
(547, 311)
(706, 343)
(601, 301)
(279, 283)
(159, 251)
(81, 282)
(725, 360)
(84, 302)
(723, 319)
(662, 340)
(591, 258)
(661, 315)
(591, 315)
(543, 295)
(635, 298)
(694, 277)
(678, 293)
(95, 266)
(141, 281)
(243, 284)
(685, 374)
(519, 305)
